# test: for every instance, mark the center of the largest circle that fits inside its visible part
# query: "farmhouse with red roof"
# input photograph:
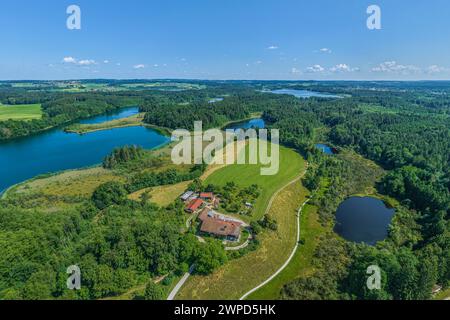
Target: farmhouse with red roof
(194, 205)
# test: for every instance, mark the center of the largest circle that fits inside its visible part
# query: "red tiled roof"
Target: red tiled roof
(194, 205)
(220, 228)
(204, 214)
(207, 195)
(214, 225)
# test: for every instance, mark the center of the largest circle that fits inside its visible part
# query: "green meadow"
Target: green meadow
(20, 112)
(291, 166)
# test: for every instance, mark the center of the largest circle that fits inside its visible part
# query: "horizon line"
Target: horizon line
(227, 80)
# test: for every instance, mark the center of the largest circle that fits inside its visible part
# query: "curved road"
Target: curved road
(180, 283)
(287, 261)
(293, 251)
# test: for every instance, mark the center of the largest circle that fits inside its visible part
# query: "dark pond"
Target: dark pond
(363, 219)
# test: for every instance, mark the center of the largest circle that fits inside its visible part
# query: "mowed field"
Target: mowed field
(291, 166)
(20, 112)
(162, 195)
(238, 276)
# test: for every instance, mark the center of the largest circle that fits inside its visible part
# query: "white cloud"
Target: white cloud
(105, 61)
(342, 67)
(258, 62)
(325, 50)
(86, 62)
(436, 69)
(69, 60)
(272, 48)
(156, 65)
(315, 68)
(139, 66)
(295, 71)
(394, 67)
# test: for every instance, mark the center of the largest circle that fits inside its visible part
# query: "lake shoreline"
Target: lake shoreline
(132, 121)
(4, 193)
(254, 116)
(57, 150)
(117, 124)
(81, 128)
(55, 127)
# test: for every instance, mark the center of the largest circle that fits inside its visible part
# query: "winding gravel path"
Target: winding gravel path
(183, 280)
(293, 251)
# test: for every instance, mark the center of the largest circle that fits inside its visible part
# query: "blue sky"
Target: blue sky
(225, 39)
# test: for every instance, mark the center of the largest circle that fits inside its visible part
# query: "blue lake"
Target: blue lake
(247, 124)
(122, 113)
(305, 93)
(363, 219)
(55, 150)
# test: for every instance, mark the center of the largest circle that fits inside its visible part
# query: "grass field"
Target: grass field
(301, 264)
(291, 165)
(20, 112)
(443, 295)
(70, 183)
(61, 190)
(162, 195)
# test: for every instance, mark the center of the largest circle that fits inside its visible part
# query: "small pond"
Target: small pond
(363, 219)
(325, 149)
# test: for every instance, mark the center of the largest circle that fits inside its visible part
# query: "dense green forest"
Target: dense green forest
(413, 144)
(238, 106)
(129, 243)
(119, 243)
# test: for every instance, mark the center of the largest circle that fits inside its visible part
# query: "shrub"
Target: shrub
(108, 194)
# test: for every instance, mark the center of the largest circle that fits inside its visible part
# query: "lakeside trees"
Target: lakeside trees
(60, 109)
(122, 155)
